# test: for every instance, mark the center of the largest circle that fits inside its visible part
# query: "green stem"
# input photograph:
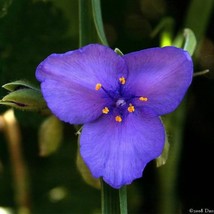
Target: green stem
(123, 200)
(91, 30)
(114, 201)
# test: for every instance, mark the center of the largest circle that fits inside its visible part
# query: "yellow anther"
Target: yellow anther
(131, 108)
(118, 119)
(122, 80)
(143, 99)
(98, 86)
(105, 110)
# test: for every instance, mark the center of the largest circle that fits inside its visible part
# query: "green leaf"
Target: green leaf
(96, 9)
(50, 136)
(25, 99)
(19, 84)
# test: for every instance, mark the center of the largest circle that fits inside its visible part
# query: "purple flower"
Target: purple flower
(119, 100)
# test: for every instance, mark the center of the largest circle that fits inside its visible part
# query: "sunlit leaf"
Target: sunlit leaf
(190, 41)
(165, 28)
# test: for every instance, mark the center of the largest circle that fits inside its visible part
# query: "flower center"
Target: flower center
(121, 106)
(120, 102)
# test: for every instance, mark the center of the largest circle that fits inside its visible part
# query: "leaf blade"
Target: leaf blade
(97, 15)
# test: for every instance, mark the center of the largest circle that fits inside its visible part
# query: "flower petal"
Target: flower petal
(118, 152)
(69, 80)
(160, 74)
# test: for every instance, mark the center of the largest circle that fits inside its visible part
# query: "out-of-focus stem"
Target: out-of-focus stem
(169, 202)
(87, 30)
(13, 137)
(198, 23)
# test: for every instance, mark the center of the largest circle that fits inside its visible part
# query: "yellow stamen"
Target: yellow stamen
(143, 99)
(118, 119)
(105, 110)
(122, 80)
(131, 108)
(98, 86)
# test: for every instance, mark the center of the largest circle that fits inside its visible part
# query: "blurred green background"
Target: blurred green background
(30, 30)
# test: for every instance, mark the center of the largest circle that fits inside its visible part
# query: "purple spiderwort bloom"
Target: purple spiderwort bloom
(119, 100)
